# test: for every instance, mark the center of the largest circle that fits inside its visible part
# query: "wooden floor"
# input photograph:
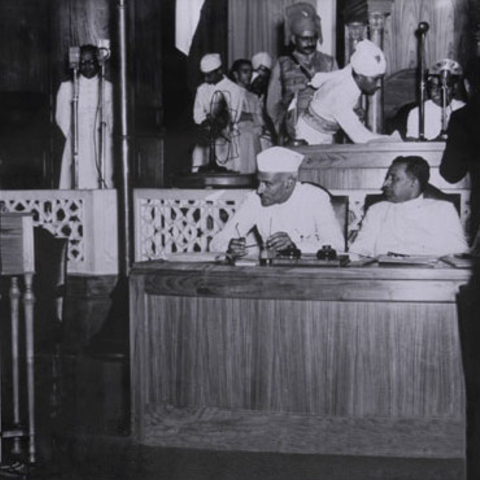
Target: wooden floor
(91, 442)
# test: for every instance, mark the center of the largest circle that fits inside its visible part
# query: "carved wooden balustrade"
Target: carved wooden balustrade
(88, 218)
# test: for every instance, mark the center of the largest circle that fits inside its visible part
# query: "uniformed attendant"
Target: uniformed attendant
(292, 73)
(333, 105)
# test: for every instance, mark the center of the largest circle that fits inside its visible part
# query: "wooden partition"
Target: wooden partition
(325, 361)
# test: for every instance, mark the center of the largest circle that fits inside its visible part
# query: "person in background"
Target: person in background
(250, 123)
(284, 212)
(217, 109)
(262, 69)
(292, 73)
(433, 106)
(462, 150)
(407, 223)
(337, 93)
(90, 175)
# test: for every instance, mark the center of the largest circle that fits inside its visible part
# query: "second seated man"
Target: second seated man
(407, 223)
(285, 213)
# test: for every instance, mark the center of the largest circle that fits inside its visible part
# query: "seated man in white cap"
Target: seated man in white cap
(337, 95)
(408, 223)
(292, 73)
(206, 101)
(285, 213)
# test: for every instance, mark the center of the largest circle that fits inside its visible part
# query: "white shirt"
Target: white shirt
(233, 94)
(334, 101)
(433, 119)
(422, 226)
(307, 217)
(88, 124)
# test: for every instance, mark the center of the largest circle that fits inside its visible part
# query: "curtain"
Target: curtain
(257, 26)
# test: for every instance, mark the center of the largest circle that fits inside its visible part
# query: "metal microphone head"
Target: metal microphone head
(74, 57)
(423, 28)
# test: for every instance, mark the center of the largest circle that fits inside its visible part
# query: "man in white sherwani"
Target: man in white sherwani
(407, 223)
(285, 213)
(91, 174)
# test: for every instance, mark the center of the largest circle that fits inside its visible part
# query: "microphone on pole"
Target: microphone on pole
(74, 58)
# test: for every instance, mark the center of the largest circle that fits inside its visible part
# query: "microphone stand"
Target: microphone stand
(421, 32)
(75, 134)
(444, 90)
(102, 123)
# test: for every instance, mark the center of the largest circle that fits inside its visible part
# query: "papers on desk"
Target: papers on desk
(194, 257)
(460, 261)
(407, 260)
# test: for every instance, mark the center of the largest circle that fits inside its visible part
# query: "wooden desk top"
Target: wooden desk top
(371, 283)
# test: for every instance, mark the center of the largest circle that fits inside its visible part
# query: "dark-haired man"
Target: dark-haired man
(91, 174)
(407, 223)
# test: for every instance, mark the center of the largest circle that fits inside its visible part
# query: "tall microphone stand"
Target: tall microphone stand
(103, 54)
(75, 139)
(421, 32)
(444, 74)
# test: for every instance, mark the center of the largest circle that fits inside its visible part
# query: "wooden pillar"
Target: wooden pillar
(377, 12)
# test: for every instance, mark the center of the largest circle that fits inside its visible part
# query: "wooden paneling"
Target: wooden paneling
(448, 35)
(297, 360)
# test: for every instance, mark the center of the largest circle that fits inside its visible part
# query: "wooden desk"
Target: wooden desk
(327, 361)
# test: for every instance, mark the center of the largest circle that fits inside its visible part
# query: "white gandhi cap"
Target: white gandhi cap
(279, 159)
(210, 62)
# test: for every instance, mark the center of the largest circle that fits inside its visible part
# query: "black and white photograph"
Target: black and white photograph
(240, 240)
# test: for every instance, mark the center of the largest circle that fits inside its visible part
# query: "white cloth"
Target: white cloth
(433, 119)
(228, 152)
(334, 101)
(422, 226)
(210, 62)
(88, 138)
(279, 159)
(307, 217)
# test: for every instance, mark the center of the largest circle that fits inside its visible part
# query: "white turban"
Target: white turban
(210, 62)
(368, 59)
(279, 159)
(261, 58)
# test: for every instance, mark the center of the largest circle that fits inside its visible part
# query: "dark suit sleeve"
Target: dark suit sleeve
(458, 150)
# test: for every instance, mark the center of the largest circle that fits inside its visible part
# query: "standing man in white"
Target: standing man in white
(94, 170)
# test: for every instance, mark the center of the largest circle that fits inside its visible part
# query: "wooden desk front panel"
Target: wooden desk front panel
(328, 376)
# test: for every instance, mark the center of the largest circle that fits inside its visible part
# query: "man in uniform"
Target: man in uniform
(292, 73)
(333, 105)
(407, 223)
(285, 213)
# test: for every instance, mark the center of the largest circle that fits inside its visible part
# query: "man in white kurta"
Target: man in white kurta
(433, 106)
(337, 95)
(284, 212)
(227, 151)
(407, 223)
(91, 174)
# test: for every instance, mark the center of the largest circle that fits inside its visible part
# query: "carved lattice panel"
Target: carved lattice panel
(63, 217)
(181, 225)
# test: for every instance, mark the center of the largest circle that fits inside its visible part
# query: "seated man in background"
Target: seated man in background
(286, 213)
(333, 105)
(407, 223)
(433, 106)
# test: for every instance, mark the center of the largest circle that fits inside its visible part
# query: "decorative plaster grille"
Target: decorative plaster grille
(64, 217)
(187, 224)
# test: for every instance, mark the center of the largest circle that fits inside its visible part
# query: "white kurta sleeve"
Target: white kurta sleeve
(63, 111)
(353, 127)
(241, 223)
(199, 112)
(369, 231)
